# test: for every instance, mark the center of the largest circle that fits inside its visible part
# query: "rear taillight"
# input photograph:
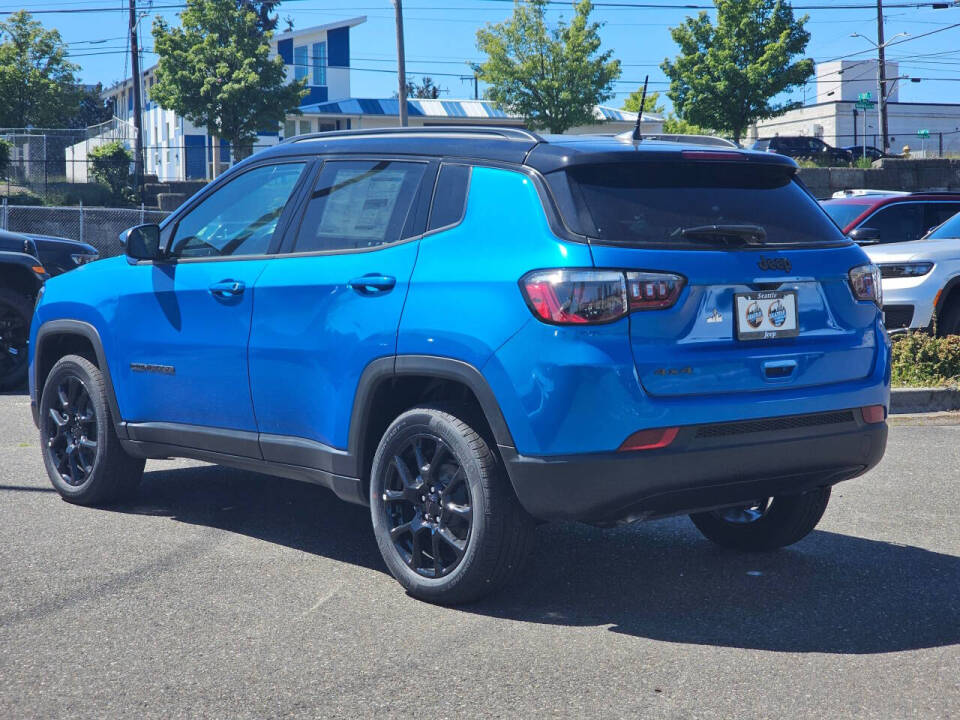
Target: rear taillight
(866, 284)
(578, 297)
(874, 414)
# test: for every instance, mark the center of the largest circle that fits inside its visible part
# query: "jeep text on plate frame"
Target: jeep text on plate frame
(766, 315)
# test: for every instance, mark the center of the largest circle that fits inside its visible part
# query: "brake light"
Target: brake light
(711, 155)
(649, 439)
(866, 283)
(578, 297)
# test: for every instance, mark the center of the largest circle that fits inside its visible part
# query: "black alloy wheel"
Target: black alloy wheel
(72, 427)
(428, 506)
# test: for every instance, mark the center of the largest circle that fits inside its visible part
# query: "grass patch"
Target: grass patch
(922, 360)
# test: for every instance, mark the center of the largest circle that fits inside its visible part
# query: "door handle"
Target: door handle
(227, 288)
(372, 284)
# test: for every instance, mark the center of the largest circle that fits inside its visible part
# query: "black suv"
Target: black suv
(802, 146)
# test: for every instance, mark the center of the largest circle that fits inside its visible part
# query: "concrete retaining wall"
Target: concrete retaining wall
(886, 174)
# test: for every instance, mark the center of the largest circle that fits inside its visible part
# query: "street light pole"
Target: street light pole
(137, 103)
(881, 74)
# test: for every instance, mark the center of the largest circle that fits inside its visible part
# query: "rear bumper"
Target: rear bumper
(707, 466)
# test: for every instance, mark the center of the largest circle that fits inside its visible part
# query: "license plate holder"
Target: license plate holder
(766, 315)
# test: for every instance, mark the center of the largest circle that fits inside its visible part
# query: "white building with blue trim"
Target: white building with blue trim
(175, 149)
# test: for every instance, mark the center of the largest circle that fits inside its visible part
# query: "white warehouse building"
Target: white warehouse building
(835, 119)
(174, 149)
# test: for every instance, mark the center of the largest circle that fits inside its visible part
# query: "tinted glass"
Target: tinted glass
(450, 196)
(651, 203)
(949, 229)
(938, 213)
(898, 223)
(239, 218)
(359, 204)
(844, 213)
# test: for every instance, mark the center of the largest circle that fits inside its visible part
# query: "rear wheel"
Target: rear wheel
(15, 314)
(444, 515)
(766, 524)
(81, 451)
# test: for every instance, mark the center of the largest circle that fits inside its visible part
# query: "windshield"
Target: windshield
(655, 203)
(950, 229)
(843, 213)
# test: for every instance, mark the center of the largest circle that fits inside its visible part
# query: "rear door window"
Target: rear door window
(656, 204)
(900, 222)
(359, 204)
(939, 212)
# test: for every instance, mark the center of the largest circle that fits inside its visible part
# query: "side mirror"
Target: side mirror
(142, 242)
(865, 235)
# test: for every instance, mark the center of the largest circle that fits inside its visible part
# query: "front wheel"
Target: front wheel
(444, 515)
(81, 451)
(766, 524)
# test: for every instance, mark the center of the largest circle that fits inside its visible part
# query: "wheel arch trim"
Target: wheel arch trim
(58, 328)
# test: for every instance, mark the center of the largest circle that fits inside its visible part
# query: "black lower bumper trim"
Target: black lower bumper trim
(693, 474)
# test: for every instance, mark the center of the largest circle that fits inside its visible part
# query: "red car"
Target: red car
(896, 217)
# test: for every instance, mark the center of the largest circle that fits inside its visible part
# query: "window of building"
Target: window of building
(289, 128)
(301, 68)
(359, 204)
(306, 126)
(320, 63)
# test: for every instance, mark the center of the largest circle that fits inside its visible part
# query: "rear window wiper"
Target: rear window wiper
(748, 234)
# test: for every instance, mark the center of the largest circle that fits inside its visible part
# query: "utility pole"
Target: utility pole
(881, 79)
(401, 64)
(476, 85)
(137, 104)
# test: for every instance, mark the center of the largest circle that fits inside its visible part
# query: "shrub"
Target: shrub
(922, 360)
(6, 148)
(110, 165)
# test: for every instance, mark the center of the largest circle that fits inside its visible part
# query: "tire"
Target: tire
(16, 312)
(776, 522)
(74, 410)
(949, 323)
(431, 547)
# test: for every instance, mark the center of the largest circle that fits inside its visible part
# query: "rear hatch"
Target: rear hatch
(767, 300)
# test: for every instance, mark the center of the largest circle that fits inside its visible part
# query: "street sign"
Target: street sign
(865, 105)
(923, 133)
(863, 97)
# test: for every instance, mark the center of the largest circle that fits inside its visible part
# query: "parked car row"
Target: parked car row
(813, 148)
(915, 240)
(26, 261)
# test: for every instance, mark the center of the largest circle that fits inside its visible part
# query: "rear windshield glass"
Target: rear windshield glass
(660, 204)
(950, 229)
(844, 213)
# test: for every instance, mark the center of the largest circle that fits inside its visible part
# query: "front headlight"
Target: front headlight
(866, 284)
(84, 258)
(905, 270)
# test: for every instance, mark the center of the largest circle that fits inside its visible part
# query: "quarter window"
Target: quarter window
(239, 218)
(450, 197)
(359, 204)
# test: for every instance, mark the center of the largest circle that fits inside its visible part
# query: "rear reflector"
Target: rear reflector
(649, 439)
(874, 413)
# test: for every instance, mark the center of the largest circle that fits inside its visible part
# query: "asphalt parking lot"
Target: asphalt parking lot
(228, 594)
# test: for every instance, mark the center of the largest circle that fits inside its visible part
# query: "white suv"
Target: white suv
(918, 279)
(920, 269)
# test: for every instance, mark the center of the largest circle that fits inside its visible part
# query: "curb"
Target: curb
(923, 400)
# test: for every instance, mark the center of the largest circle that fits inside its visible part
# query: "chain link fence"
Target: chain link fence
(98, 226)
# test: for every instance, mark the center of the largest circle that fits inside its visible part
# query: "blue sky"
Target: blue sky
(440, 38)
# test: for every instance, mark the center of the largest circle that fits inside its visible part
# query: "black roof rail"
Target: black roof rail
(507, 133)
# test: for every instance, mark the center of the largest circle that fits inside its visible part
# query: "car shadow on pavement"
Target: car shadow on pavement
(287, 512)
(830, 593)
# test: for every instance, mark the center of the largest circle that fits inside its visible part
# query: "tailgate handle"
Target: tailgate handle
(779, 369)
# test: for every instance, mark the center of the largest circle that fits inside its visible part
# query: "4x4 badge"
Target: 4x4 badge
(775, 264)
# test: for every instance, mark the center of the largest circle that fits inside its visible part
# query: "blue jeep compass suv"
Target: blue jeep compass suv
(471, 329)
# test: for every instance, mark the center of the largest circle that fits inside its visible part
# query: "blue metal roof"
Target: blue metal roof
(415, 107)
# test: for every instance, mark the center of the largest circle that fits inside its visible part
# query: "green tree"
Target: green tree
(216, 71)
(110, 165)
(6, 148)
(427, 89)
(728, 73)
(651, 105)
(37, 82)
(678, 126)
(552, 77)
(90, 108)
